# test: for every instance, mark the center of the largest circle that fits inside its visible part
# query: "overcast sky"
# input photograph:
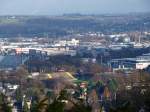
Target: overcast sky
(56, 7)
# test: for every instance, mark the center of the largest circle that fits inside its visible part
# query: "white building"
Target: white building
(72, 42)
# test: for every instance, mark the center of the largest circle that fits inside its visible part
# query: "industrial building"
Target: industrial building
(10, 62)
(141, 62)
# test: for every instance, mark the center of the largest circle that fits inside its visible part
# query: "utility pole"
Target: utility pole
(101, 59)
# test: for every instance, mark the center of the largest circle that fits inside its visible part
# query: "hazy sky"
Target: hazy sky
(56, 7)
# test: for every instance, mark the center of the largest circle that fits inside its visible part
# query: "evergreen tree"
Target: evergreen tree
(4, 105)
(39, 106)
(25, 107)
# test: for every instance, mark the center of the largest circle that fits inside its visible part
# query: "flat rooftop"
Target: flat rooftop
(133, 59)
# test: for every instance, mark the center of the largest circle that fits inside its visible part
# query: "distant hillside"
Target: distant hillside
(64, 25)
